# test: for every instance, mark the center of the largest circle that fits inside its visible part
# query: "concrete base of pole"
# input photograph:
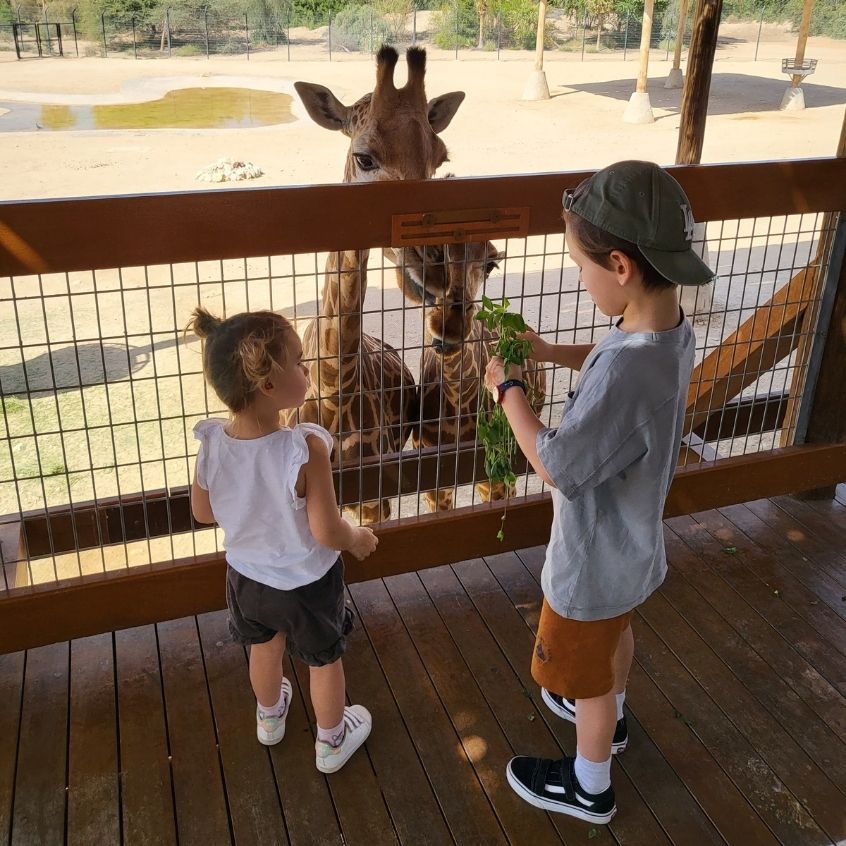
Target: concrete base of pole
(639, 109)
(675, 79)
(793, 100)
(698, 299)
(536, 87)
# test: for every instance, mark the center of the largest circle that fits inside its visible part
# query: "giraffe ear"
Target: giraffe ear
(324, 108)
(442, 109)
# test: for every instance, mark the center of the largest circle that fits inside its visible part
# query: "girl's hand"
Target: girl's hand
(541, 349)
(495, 373)
(364, 542)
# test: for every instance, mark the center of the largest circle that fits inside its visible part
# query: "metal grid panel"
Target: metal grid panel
(100, 390)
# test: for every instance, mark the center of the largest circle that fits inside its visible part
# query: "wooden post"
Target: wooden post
(639, 109)
(676, 78)
(645, 39)
(806, 329)
(703, 45)
(804, 29)
(536, 86)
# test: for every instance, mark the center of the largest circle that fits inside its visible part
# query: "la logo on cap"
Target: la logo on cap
(689, 223)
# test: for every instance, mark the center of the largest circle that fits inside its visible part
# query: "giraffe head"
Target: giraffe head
(449, 281)
(393, 131)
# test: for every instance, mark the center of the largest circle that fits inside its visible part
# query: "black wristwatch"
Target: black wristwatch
(499, 390)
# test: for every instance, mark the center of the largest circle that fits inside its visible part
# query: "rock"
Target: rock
(230, 170)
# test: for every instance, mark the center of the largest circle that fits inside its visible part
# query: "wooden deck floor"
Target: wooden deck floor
(737, 713)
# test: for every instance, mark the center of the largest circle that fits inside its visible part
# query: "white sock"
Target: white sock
(275, 710)
(332, 736)
(593, 777)
(621, 698)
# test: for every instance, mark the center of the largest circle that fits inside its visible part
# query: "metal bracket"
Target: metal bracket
(459, 226)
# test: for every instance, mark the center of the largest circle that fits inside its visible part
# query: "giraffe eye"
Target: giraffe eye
(364, 161)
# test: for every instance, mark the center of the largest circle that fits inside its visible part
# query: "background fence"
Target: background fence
(356, 30)
(100, 391)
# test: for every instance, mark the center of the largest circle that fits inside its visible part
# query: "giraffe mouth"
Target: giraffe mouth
(444, 349)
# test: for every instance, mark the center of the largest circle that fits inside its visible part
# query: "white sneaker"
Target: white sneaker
(270, 728)
(357, 724)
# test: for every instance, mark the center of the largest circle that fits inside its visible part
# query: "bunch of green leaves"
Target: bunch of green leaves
(492, 427)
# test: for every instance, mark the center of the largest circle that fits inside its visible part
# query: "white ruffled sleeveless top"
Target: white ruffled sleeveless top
(252, 490)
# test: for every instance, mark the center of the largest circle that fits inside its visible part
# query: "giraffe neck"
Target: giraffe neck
(343, 296)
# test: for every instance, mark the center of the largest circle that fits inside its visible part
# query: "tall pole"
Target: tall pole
(793, 97)
(639, 109)
(536, 87)
(694, 109)
(697, 86)
(676, 77)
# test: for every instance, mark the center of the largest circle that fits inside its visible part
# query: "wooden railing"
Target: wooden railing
(91, 234)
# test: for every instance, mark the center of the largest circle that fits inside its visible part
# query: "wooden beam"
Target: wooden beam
(680, 28)
(105, 602)
(802, 40)
(645, 41)
(763, 340)
(89, 234)
(697, 83)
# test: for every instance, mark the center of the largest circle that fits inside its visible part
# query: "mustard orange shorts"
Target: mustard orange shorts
(575, 658)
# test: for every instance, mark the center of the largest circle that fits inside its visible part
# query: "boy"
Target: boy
(610, 463)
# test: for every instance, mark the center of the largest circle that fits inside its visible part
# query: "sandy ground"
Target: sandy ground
(494, 132)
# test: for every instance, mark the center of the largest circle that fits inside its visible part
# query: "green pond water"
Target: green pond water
(185, 108)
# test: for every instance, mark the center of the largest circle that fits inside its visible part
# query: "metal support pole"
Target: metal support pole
(288, 32)
(414, 25)
(206, 28)
(584, 34)
(167, 17)
(75, 40)
(134, 41)
(330, 35)
(247, 33)
(15, 34)
(103, 24)
(760, 27)
(626, 38)
(456, 31)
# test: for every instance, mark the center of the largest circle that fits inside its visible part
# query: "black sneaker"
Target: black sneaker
(552, 785)
(566, 709)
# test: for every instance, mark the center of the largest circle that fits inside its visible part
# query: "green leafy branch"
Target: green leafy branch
(492, 427)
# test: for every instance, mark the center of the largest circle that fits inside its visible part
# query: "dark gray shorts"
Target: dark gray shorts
(314, 618)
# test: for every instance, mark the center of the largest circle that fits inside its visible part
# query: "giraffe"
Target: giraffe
(361, 390)
(448, 281)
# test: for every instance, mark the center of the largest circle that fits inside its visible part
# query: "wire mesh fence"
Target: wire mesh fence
(454, 29)
(100, 390)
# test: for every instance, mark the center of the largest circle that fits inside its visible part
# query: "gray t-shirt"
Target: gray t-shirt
(612, 461)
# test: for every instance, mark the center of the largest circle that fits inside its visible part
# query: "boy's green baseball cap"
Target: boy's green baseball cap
(640, 202)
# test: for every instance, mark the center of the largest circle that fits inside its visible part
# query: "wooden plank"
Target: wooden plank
(199, 798)
(468, 813)
(804, 639)
(828, 558)
(790, 791)
(824, 527)
(355, 790)
(745, 415)
(146, 783)
(806, 681)
(11, 693)
(830, 622)
(410, 798)
(306, 802)
(775, 548)
(55, 235)
(254, 804)
(93, 789)
(691, 764)
(756, 346)
(105, 602)
(485, 745)
(40, 798)
(515, 700)
(795, 716)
